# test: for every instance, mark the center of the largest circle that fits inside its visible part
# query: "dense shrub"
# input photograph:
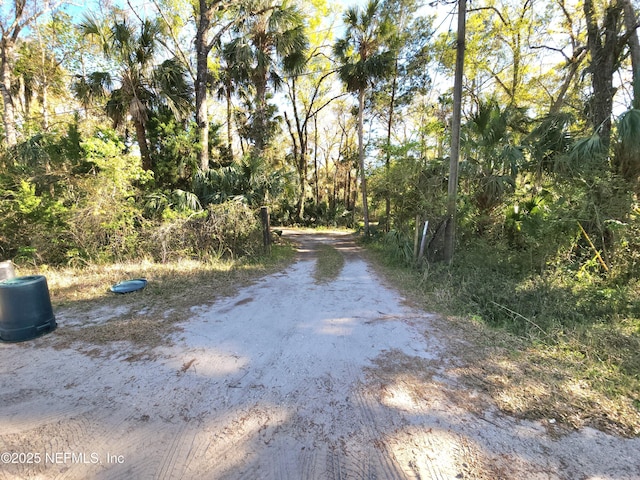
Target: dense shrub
(91, 207)
(503, 287)
(227, 229)
(105, 215)
(34, 227)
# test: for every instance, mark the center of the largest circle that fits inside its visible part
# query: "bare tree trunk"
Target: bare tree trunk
(315, 158)
(335, 184)
(44, 100)
(337, 161)
(44, 89)
(304, 150)
(10, 28)
(229, 111)
(604, 57)
(578, 56)
(298, 159)
(8, 112)
(303, 140)
(347, 191)
(141, 136)
(363, 176)
(392, 106)
(260, 123)
(203, 19)
(205, 13)
(631, 24)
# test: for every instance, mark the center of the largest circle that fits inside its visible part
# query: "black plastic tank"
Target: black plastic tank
(25, 308)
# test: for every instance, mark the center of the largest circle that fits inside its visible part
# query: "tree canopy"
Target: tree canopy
(330, 114)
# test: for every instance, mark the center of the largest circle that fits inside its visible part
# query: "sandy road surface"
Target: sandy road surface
(289, 379)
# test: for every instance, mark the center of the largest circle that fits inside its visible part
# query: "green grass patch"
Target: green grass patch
(548, 343)
(329, 263)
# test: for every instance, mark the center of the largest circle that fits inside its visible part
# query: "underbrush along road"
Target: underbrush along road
(291, 378)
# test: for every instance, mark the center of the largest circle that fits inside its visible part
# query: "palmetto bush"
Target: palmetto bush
(250, 180)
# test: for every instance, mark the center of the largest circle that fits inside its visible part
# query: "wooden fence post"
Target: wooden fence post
(266, 229)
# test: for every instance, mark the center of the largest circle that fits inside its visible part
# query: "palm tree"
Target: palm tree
(249, 180)
(230, 75)
(268, 43)
(362, 59)
(141, 82)
(493, 154)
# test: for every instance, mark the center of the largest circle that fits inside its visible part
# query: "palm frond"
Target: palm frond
(171, 82)
(293, 44)
(155, 203)
(588, 149)
(629, 130)
(183, 200)
(95, 86)
(351, 17)
(96, 31)
(121, 37)
(627, 158)
(358, 52)
(31, 153)
(117, 107)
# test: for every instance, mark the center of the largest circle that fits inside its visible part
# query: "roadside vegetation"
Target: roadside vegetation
(555, 345)
(144, 141)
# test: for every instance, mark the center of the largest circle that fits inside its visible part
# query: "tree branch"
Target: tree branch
(495, 10)
(180, 52)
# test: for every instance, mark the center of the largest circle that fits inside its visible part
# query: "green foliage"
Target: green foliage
(531, 270)
(33, 225)
(228, 229)
(525, 223)
(105, 215)
(99, 212)
(549, 142)
(362, 53)
(32, 207)
(627, 158)
(414, 186)
(625, 246)
(168, 205)
(265, 45)
(137, 83)
(496, 285)
(399, 247)
(315, 215)
(588, 156)
(171, 145)
(493, 155)
(250, 181)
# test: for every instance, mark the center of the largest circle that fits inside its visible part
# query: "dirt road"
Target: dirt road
(288, 379)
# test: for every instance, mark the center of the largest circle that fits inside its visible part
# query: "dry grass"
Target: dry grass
(100, 323)
(329, 263)
(573, 379)
(536, 381)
